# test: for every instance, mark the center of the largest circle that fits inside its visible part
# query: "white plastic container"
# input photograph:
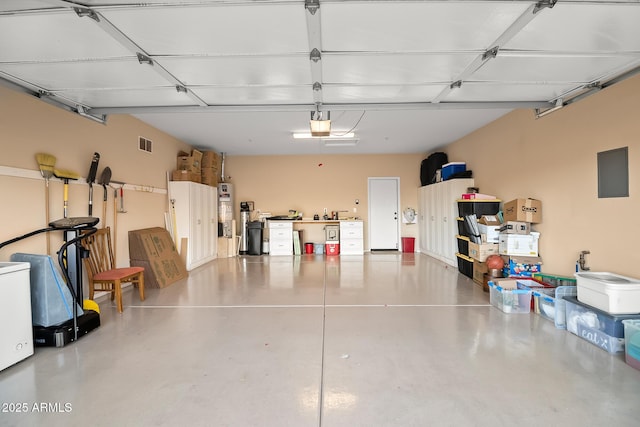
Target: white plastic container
(609, 292)
(519, 244)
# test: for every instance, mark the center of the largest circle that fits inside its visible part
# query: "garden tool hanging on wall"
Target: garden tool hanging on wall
(91, 178)
(65, 176)
(118, 188)
(46, 163)
(105, 178)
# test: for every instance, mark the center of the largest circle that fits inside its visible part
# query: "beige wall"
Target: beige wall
(554, 159)
(29, 126)
(311, 183)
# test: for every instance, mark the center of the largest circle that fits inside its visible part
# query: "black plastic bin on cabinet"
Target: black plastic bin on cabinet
(255, 237)
(478, 207)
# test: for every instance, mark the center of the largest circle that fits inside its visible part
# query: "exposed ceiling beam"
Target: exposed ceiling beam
(523, 20)
(51, 99)
(315, 48)
(143, 57)
(335, 107)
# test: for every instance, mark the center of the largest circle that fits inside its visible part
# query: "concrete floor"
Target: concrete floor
(383, 339)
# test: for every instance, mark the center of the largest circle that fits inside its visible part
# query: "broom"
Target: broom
(46, 163)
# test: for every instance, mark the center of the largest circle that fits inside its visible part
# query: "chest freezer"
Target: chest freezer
(16, 336)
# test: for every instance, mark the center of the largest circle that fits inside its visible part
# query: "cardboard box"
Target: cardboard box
(210, 159)
(489, 233)
(226, 247)
(481, 251)
(479, 270)
(184, 175)
(515, 227)
(153, 249)
(519, 244)
(477, 196)
(489, 220)
(160, 273)
(526, 210)
(192, 163)
(209, 176)
(506, 283)
(523, 266)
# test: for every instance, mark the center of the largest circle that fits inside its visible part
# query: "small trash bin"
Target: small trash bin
(255, 237)
(408, 244)
(308, 248)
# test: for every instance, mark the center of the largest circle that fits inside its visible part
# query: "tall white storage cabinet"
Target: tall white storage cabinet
(196, 220)
(437, 218)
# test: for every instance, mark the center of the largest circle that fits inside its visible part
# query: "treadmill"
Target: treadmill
(70, 257)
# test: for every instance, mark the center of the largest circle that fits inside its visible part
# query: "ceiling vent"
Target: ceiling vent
(145, 144)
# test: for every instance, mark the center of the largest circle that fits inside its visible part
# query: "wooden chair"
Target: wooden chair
(101, 271)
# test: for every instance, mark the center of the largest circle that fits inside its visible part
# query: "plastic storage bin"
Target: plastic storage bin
(451, 169)
(332, 248)
(465, 265)
(602, 329)
(632, 342)
(555, 280)
(478, 207)
(462, 228)
(318, 248)
(553, 308)
(519, 244)
(534, 286)
(610, 292)
(510, 300)
(463, 245)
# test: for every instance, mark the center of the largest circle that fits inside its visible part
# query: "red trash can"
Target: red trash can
(408, 244)
(308, 248)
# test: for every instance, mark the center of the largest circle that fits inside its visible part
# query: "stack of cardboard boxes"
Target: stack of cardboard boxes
(210, 160)
(197, 167)
(188, 167)
(518, 244)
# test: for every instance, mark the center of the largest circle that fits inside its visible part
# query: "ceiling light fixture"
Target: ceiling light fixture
(340, 143)
(320, 124)
(306, 135)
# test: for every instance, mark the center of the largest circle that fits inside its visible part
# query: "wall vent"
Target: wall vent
(145, 144)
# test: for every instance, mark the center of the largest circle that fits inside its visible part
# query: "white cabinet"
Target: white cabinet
(280, 237)
(196, 210)
(351, 237)
(437, 218)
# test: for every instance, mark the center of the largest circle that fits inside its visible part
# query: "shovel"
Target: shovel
(105, 178)
(91, 177)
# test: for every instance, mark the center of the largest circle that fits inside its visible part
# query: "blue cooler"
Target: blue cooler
(452, 168)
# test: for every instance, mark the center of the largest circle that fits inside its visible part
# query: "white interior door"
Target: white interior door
(384, 210)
